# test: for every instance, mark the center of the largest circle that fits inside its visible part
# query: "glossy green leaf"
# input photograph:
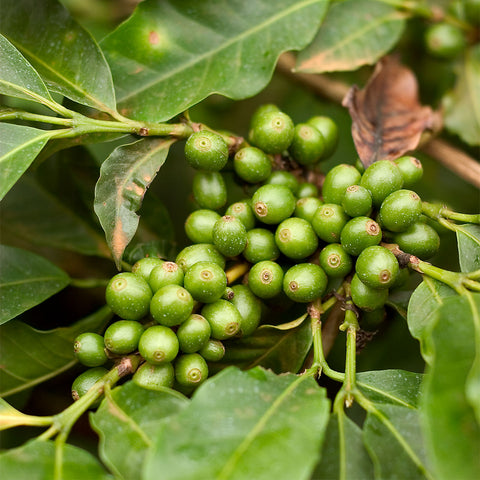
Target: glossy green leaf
(127, 423)
(26, 279)
(468, 240)
(64, 54)
(48, 221)
(19, 146)
(17, 77)
(36, 461)
(29, 356)
(394, 439)
(343, 454)
(354, 33)
(462, 105)
(451, 430)
(423, 308)
(244, 425)
(124, 178)
(169, 55)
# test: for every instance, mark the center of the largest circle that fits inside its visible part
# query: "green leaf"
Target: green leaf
(244, 425)
(462, 105)
(393, 437)
(169, 55)
(48, 221)
(281, 351)
(468, 240)
(65, 55)
(124, 178)
(343, 454)
(451, 431)
(19, 146)
(127, 423)
(35, 461)
(29, 356)
(423, 307)
(354, 33)
(18, 78)
(26, 280)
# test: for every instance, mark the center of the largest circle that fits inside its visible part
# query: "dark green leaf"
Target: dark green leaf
(468, 239)
(451, 431)
(29, 356)
(26, 280)
(64, 54)
(244, 425)
(462, 105)
(35, 461)
(124, 178)
(422, 310)
(354, 33)
(127, 423)
(343, 454)
(48, 221)
(19, 146)
(169, 55)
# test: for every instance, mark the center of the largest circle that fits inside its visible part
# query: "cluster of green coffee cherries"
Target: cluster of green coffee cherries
(292, 240)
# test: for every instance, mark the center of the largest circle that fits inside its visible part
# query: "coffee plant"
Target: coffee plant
(240, 239)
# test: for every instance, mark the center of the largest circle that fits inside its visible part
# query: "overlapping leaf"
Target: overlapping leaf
(169, 55)
(468, 239)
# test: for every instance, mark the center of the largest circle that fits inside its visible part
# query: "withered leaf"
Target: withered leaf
(387, 116)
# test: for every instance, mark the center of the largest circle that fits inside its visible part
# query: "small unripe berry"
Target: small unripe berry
(199, 225)
(296, 238)
(329, 130)
(252, 165)
(365, 297)
(308, 144)
(249, 307)
(154, 377)
(381, 179)
(194, 333)
(171, 305)
(357, 201)
(122, 337)
(419, 239)
(360, 233)
(89, 349)
(411, 168)
(328, 222)
(400, 210)
(306, 207)
(144, 266)
(272, 132)
(306, 189)
(304, 282)
(229, 236)
(273, 203)
(158, 345)
(265, 279)
(337, 180)
(260, 246)
(444, 40)
(206, 150)
(224, 319)
(243, 212)
(377, 267)
(209, 190)
(201, 252)
(285, 178)
(206, 281)
(169, 273)
(191, 370)
(86, 380)
(335, 261)
(213, 350)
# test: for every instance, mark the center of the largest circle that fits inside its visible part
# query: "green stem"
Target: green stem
(460, 217)
(472, 284)
(88, 282)
(439, 212)
(351, 325)
(236, 271)
(34, 117)
(475, 275)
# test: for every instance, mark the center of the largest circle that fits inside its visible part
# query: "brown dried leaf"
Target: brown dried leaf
(388, 119)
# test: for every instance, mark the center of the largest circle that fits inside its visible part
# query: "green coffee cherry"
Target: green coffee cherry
(329, 130)
(206, 150)
(400, 210)
(305, 282)
(285, 178)
(370, 321)
(261, 110)
(411, 168)
(144, 266)
(419, 239)
(377, 267)
(199, 225)
(86, 380)
(209, 190)
(201, 252)
(296, 238)
(89, 349)
(158, 345)
(243, 211)
(171, 305)
(260, 246)
(122, 337)
(359, 166)
(154, 377)
(328, 222)
(229, 236)
(169, 273)
(381, 179)
(306, 207)
(444, 40)
(335, 261)
(206, 281)
(252, 165)
(357, 201)
(265, 279)
(128, 295)
(273, 203)
(213, 350)
(360, 233)
(336, 182)
(272, 132)
(193, 334)
(306, 189)
(249, 307)
(191, 370)
(308, 144)
(365, 297)
(224, 319)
